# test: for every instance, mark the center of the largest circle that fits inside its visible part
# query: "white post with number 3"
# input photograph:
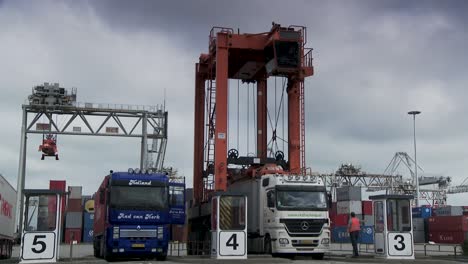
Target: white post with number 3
(229, 227)
(41, 227)
(393, 226)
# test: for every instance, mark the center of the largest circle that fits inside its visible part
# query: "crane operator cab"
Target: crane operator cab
(393, 235)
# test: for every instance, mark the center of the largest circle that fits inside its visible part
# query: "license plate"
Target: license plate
(138, 245)
(307, 242)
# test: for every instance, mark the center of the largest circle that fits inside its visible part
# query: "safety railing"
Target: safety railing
(214, 31)
(307, 60)
(423, 249)
(199, 248)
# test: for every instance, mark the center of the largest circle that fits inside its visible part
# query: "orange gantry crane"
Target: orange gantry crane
(251, 58)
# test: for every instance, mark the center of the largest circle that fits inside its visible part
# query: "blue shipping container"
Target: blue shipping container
(88, 220)
(88, 235)
(422, 212)
(340, 235)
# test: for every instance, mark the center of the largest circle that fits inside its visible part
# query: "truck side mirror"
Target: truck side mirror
(329, 196)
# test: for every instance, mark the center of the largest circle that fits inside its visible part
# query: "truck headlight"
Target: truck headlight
(116, 230)
(283, 241)
(325, 241)
(115, 236)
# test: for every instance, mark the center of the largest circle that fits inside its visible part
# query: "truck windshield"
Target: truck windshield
(139, 198)
(301, 200)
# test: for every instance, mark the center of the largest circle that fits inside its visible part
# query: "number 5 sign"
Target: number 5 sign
(400, 244)
(40, 245)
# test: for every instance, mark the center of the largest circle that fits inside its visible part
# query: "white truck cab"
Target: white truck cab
(287, 214)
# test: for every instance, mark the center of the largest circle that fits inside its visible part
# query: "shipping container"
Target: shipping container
(88, 220)
(367, 207)
(341, 220)
(422, 212)
(75, 192)
(448, 223)
(348, 193)
(74, 220)
(88, 235)
(346, 207)
(74, 205)
(448, 237)
(73, 234)
(449, 211)
(57, 185)
(340, 235)
(7, 217)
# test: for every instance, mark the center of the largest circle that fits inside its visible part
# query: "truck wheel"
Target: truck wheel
(161, 257)
(267, 245)
(318, 256)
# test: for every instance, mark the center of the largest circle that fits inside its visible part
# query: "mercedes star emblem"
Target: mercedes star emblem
(304, 225)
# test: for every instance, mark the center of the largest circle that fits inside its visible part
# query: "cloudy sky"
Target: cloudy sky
(374, 61)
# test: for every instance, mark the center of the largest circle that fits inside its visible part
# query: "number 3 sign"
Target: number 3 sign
(400, 244)
(38, 245)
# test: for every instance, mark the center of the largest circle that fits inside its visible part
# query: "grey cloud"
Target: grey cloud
(374, 62)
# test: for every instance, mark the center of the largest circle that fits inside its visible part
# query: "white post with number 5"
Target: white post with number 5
(229, 227)
(41, 227)
(393, 223)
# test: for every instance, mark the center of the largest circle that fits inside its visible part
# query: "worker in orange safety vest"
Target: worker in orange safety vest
(354, 227)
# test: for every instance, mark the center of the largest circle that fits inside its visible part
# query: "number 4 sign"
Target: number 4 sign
(400, 244)
(232, 243)
(38, 245)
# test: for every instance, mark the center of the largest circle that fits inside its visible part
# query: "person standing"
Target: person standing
(354, 227)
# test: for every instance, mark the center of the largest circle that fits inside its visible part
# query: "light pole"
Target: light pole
(414, 113)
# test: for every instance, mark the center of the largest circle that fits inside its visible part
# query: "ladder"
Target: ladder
(302, 125)
(210, 134)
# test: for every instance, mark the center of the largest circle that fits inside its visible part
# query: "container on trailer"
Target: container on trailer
(448, 223)
(346, 207)
(7, 208)
(348, 193)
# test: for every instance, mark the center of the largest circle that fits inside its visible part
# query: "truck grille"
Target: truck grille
(312, 227)
(138, 233)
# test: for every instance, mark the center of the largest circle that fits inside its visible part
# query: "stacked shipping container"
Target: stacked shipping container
(88, 219)
(448, 229)
(420, 223)
(74, 215)
(349, 200)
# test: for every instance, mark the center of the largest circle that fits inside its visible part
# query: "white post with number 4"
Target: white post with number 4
(41, 228)
(229, 227)
(393, 223)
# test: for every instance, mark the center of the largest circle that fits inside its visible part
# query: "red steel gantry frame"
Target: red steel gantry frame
(250, 58)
